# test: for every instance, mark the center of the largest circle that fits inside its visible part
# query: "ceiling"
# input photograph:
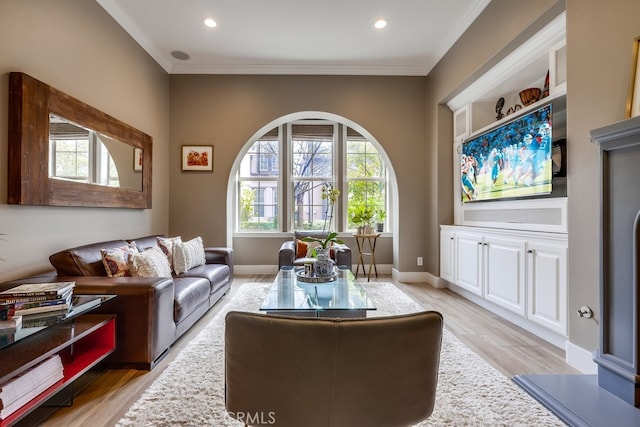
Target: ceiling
(296, 36)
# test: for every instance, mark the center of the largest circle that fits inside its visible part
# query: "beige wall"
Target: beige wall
(227, 110)
(75, 46)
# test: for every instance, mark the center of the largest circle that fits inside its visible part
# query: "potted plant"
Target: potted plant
(362, 217)
(380, 217)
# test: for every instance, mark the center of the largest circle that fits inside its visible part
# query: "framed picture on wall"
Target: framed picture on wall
(197, 158)
(633, 100)
(137, 159)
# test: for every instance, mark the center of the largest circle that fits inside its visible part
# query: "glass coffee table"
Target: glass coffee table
(343, 297)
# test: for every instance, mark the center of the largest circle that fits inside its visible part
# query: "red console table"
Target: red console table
(81, 342)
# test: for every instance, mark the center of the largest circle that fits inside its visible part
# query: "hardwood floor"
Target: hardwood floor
(506, 347)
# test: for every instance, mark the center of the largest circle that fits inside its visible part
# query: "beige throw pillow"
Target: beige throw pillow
(150, 263)
(167, 244)
(188, 255)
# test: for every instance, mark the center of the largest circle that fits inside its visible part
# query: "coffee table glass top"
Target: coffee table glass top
(289, 294)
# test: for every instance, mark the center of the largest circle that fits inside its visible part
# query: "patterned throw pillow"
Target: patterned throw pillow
(167, 244)
(188, 255)
(150, 263)
(115, 260)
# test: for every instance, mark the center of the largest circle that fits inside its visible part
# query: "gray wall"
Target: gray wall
(599, 41)
(75, 46)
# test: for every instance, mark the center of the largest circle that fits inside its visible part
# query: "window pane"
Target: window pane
(257, 192)
(310, 210)
(258, 205)
(261, 160)
(363, 160)
(312, 159)
(366, 178)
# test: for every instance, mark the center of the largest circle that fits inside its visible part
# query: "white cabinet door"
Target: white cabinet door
(505, 272)
(469, 261)
(447, 255)
(547, 283)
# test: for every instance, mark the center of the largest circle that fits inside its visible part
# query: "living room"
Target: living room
(77, 47)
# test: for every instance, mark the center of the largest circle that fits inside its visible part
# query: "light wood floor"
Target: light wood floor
(506, 347)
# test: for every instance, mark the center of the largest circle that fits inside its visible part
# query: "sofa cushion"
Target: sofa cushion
(189, 293)
(83, 260)
(216, 274)
(187, 255)
(116, 261)
(150, 263)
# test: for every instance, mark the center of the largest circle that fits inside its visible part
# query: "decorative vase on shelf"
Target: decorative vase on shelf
(323, 266)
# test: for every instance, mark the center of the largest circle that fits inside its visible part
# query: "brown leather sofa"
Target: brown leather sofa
(288, 256)
(151, 312)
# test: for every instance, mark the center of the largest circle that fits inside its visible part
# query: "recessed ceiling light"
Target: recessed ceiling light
(380, 23)
(210, 22)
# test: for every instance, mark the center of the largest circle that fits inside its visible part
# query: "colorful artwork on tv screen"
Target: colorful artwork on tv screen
(511, 161)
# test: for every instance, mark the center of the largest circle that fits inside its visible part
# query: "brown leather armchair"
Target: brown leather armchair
(288, 255)
(287, 371)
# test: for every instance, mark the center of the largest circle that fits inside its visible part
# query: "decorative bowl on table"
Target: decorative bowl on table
(304, 277)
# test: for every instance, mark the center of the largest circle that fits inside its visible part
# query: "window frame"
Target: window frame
(285, 178)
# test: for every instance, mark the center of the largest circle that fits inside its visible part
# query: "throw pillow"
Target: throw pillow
(301, 248)
(115, 260)
(167, 244)
(150, 263)
(188, 255)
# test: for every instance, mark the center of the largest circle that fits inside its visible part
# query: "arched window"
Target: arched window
(290, 165)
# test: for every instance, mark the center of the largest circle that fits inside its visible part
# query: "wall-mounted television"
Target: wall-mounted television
(510, 161)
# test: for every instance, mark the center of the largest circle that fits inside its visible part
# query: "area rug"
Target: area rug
(190, 391)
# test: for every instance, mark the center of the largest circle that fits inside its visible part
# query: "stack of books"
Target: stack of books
(21, 389)
(34, 304)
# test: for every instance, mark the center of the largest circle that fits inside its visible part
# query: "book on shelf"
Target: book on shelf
(19, 390)
(48, 306)
(35, 298)
(53, 290)
(43, 319)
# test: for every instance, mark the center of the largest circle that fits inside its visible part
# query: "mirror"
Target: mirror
(81, 155)
(63, 152)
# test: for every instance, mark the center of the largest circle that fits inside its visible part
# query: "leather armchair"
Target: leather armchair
(287, 256)
(288, 371)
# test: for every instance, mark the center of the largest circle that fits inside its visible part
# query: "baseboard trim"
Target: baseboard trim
(246, 269)
(580, 359)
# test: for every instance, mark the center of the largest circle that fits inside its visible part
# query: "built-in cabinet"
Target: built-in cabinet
(510, 256)
(524, 273)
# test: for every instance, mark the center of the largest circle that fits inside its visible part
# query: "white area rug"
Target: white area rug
(190, 392)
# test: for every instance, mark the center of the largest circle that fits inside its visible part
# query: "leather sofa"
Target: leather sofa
(152, 313)
(288, 256)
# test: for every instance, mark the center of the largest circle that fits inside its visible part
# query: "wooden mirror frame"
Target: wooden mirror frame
(30, 103)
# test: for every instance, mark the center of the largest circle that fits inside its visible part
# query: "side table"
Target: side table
(363, 241)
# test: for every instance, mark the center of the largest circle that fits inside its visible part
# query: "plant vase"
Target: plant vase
(323, 266)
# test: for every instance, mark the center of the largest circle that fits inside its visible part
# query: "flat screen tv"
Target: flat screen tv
(511, 161)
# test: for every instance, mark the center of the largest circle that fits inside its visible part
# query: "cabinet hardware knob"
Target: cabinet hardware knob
(530, 251)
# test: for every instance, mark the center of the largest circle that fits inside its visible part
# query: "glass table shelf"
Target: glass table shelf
(342, 297)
